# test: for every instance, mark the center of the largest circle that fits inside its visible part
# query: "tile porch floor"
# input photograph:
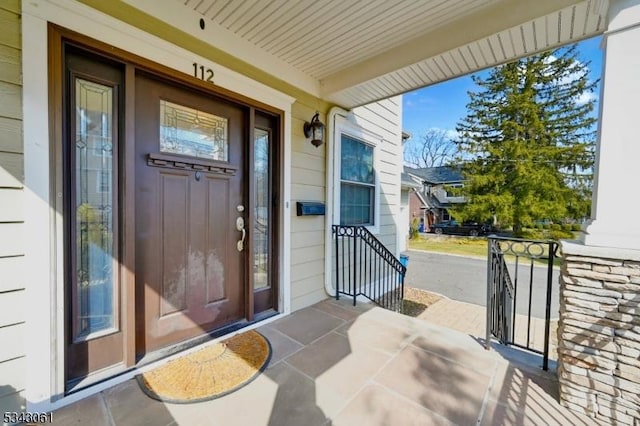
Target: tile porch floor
(472, 319)
(336, 364)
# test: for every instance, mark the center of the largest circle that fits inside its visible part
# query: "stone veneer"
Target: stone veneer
(599, 332)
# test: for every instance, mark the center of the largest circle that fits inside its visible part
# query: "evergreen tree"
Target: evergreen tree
(527, 142)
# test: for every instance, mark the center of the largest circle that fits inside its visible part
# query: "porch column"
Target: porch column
(616, 202)
(599, 326)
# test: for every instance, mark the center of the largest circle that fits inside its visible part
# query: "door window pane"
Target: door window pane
(93, 208)
(261, 213)
(188, 131)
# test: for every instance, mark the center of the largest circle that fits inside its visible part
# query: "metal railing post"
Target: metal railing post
(355, 266)
(547, 315)
(515, 302)
(487, 343)
(530, 304)
(335, 231)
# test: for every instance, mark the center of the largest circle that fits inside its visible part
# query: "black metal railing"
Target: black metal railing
(365, 267)
(505, 258)
(501, 294)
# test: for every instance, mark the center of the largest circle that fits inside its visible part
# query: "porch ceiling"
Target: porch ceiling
(352, 52)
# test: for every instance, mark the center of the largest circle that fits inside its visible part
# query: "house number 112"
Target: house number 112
(204, 74)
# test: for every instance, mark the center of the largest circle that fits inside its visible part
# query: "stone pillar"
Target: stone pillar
(599, 332)
(599, 326)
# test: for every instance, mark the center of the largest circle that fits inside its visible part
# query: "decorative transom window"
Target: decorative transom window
(357, 182)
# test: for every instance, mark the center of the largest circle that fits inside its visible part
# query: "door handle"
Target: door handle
(240, 227)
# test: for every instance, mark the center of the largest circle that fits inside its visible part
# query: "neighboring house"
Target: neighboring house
(418, 207)
(433, 202)
(408, 187)
(409, 191)
(151, 150)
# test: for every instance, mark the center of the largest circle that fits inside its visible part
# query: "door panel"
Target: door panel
(190, 275)
(218, 249)
(174, 231)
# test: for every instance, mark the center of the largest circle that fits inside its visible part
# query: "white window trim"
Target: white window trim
(345, 127)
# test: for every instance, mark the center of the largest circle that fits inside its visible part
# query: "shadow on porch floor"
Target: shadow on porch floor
(337, 364)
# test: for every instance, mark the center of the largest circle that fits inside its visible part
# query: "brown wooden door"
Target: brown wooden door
(190, 272)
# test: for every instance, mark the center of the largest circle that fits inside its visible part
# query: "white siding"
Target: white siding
(384, 118)
(12, 308)
(403, 231)
(308, 183)
(11, 276)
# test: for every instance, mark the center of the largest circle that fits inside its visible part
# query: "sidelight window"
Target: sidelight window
(262, 219)
(93, 209)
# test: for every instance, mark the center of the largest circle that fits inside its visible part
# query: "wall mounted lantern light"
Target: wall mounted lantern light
(314, 130)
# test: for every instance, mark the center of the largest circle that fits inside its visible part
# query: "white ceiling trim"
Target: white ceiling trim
(352, 52)
(477, 26)
(187, 20)
(567, 25)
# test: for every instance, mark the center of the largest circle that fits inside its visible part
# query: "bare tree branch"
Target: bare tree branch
(432, 149)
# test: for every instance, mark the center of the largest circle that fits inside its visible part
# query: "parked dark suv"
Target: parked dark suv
(466, 228)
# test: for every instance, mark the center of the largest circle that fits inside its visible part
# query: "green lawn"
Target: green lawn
(452, 245)
(465, 246)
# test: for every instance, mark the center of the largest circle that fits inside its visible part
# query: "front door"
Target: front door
(189, 213)
(169, 197)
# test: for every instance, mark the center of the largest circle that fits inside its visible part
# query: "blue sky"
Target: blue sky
(442, 105)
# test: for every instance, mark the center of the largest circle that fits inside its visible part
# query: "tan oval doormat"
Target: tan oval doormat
(209, 373)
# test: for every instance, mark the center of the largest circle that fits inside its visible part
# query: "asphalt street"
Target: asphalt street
(465, 279)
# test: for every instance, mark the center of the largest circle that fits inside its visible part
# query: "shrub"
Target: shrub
(560, 235)
(576, 227)
(566, 227)
(546, 226)
(556, 227)
(538, 226)
(530, 234)
(413, 229)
